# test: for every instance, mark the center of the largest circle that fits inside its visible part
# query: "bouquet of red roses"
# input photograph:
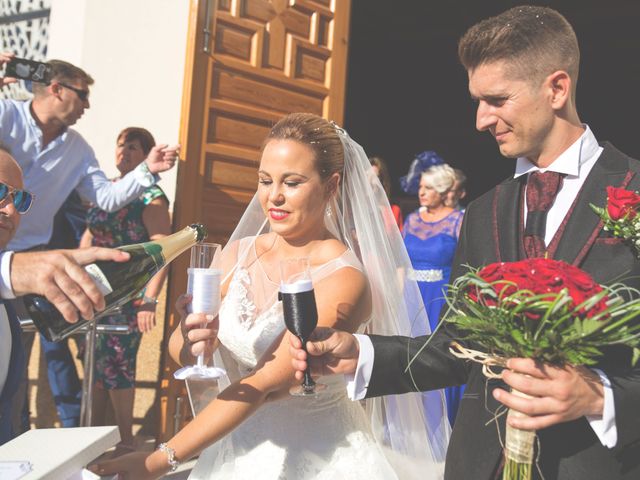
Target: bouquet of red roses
(620, 215)
(543, 309)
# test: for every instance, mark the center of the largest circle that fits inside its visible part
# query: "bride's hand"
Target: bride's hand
(133, 466)
(199, 330)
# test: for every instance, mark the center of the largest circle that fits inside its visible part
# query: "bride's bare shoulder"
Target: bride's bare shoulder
(328, 250)
(265, 242)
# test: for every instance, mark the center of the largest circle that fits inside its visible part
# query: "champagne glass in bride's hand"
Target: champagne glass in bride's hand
(204, 288)
(299, 310)
(204, 282)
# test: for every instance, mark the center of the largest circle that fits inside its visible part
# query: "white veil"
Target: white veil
(361, 217)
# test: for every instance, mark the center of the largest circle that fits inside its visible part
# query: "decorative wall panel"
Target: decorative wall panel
(24, 30)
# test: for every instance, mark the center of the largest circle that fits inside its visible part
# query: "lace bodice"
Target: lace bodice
(250, 315)
(432, 245)
(324, 437)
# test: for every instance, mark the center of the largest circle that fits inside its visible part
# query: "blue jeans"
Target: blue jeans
(63, 380)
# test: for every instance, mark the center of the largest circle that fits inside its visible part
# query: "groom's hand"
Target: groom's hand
(558, 394)
(332, 352)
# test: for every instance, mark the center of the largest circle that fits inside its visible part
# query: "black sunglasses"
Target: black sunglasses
(82, 94)
(22, 199)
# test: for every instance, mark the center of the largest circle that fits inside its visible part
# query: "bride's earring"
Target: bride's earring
(328, 210)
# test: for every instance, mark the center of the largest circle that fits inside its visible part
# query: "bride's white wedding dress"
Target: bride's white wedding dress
(322, 437)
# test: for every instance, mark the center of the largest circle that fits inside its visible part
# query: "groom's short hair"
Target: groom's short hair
(532, 41)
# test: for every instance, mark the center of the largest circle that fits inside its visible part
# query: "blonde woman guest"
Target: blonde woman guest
(431, 235)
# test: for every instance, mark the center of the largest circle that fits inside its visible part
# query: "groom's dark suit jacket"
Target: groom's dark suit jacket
(492, 231)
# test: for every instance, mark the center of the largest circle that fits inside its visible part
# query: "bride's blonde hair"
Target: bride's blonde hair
(316, 133)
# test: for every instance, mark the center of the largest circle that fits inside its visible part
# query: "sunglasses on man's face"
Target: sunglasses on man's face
(22, 199)
(83, 95)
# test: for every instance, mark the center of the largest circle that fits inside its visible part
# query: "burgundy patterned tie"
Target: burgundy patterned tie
(542, 189)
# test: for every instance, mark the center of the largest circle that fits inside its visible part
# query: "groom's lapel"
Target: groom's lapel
(582, 223)
(506, 221)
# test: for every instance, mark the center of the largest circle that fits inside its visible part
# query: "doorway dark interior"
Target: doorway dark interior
(407, 93)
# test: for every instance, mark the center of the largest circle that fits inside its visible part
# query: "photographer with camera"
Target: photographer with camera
(57, 160)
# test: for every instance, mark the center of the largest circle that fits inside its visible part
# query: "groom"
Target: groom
(523, 69)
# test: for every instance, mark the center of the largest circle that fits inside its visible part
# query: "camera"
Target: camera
(24, 69)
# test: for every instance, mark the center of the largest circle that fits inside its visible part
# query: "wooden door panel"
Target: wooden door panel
(223, 199)
(309, 62)
(245, 88)
(230, 128)
(268, 58)
(235, 41)
(270, 78)
(229, 172)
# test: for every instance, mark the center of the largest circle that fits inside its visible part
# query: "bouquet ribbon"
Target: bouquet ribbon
(485, 359)
(518, 447)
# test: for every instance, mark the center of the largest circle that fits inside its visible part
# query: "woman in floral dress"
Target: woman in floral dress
(145, 218)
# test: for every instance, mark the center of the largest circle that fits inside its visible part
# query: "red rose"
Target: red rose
(491, 272)
(621, 203)
(545, 277)
(540, 276)
(583, 281)
(472, 293)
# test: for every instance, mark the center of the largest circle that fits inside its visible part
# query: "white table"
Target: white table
(58, 453)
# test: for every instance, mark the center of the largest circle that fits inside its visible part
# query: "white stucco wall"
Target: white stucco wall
(134, 50)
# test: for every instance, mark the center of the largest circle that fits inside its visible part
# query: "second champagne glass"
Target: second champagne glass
(300, 311)
(204, 287)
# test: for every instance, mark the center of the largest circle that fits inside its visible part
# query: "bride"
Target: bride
(317, 197)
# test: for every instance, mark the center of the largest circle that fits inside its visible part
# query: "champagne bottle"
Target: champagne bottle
(119, 282)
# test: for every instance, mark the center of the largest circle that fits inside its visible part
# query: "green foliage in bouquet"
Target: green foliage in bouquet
(543, 309)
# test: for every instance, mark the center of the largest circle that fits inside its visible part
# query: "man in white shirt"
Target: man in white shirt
(523, 68)
(56, 160)
(58, 275)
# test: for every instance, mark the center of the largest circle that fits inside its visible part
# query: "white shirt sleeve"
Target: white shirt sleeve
(358, 382)
(111, 196)
(6, 290)
(605, 425)
(144, 176)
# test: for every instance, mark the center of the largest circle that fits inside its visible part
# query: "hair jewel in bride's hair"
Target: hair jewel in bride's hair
(312, 142)
(341, 131)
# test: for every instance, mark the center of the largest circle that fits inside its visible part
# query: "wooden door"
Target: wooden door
(266, 59)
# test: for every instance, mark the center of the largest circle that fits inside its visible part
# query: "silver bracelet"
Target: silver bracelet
(149, 300)
(171, 456)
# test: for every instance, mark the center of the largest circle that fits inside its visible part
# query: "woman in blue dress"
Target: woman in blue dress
(430, 235)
